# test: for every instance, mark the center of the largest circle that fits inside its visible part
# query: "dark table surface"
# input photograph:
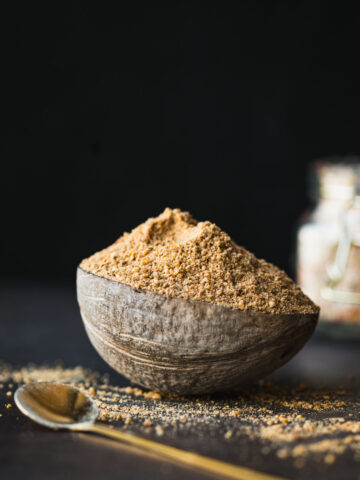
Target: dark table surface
(41, 323)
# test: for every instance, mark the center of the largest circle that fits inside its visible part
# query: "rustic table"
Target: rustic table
(41, 323)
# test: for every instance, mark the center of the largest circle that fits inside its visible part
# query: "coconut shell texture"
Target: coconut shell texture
(185, 346)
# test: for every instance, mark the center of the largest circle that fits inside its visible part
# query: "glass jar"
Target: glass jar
(328, 246)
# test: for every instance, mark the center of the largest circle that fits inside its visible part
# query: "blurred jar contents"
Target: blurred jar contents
(328, 241)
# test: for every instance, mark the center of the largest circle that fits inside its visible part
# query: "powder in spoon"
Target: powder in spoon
(176, 256)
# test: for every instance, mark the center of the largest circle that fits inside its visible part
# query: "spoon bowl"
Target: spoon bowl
(55, 405)
(185, 346)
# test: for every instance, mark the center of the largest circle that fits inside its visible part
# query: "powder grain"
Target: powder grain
(176, 256)
(298, 424)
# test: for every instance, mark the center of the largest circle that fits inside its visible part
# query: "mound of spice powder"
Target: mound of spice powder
(176, 256)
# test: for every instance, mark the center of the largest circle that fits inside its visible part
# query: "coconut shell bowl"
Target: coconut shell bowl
(185, 346)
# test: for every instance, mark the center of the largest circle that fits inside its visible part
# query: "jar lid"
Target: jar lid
(336, 178)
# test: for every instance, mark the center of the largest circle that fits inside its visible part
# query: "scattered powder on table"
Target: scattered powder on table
(176, 256)
(298, 424)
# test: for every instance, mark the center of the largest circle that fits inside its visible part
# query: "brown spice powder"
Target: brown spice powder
(299, 424)
(176, 256)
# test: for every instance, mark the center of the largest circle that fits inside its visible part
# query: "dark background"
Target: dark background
(111, 115)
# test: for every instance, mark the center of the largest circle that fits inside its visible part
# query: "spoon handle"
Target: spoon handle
(183, 457)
